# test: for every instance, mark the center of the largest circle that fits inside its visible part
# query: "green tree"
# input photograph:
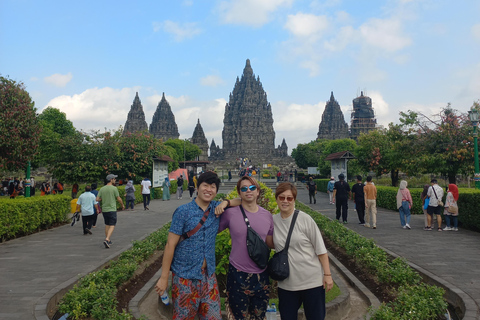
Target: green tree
(183, 147)
(19, 128)
(55, 126)
(332, 146)
(307, 154)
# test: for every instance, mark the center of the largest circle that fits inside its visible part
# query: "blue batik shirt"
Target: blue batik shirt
(190, 253)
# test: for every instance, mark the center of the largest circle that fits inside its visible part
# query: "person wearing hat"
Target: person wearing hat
(330, 185)
(108, 194)
(341, 194)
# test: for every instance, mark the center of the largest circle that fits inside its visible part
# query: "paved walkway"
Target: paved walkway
(35, 267)
(449, 257)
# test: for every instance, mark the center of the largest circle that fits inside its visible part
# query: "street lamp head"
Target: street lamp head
(473, 115)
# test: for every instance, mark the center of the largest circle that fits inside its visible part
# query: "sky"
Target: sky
(89, 58)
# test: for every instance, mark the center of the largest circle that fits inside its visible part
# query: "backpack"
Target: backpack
(311, 186)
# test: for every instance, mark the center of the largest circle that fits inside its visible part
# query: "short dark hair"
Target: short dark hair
(369, 178)
(209, 177)
(250, 179)
(433, 181)
(88, 188)
(94, 186)
(359, 177)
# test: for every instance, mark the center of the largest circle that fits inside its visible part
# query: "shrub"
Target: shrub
(22, 216)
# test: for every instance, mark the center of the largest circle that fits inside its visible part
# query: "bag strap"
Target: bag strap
(190, 233)
(292, 224)
(245, 217)
(434, 192)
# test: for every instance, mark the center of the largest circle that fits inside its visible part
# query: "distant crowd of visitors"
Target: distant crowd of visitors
(14, 187)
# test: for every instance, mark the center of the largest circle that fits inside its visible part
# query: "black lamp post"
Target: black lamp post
(473, 115)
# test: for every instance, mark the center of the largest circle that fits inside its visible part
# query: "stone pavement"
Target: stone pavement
(450, 259)
(35, 267)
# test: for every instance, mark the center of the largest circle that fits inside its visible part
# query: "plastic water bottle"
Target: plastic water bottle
(165, 298)
(269, 314)
(274, 311)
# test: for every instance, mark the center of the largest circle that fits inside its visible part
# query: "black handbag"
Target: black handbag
(257, 249)
(278, 267)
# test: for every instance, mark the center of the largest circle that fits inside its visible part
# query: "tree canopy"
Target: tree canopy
(19, 127)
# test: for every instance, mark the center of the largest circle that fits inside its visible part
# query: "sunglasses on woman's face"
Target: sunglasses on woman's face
(282, 198)
(251, 188)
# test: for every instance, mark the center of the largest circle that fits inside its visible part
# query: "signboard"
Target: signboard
(160, 172)
(313, 170)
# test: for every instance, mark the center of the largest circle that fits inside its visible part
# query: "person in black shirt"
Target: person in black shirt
(341, 194)
(359, 199)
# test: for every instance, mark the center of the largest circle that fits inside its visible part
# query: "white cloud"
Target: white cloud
(306, 26)
(211, 81)
(476, 31)
(250, 12)
(59, 80)
(385, 34)
(344, 37)
(180, 32)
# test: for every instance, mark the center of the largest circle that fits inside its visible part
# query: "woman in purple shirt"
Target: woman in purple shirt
(247, 284)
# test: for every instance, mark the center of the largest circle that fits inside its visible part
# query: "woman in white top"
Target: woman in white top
(310, 273)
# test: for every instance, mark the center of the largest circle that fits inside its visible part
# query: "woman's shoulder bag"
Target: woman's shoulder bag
(278, 267)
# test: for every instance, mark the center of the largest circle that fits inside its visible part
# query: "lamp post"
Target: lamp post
(473, 115)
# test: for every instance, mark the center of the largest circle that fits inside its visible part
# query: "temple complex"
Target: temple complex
(363, 116)
(163, 124)
(136, 118)
(248, 124)
(333, 125)
(201, 141)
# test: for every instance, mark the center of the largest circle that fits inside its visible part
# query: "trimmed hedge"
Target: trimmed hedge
(468, 202)
(22, 216)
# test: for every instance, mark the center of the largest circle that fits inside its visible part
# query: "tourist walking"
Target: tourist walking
(425, 201)
(130, 195)
(229, 175)
(191, 187)
(310, 276)
(166, 190)
(179, 187)
(330, 185)
(435, 195)
(86, 204)
(358, 197)
(451, 208)
(146, 185)
(96, 209)
(404, 204)
(74, 190)
(108, 194)
(247, 283)
(312, 190)
(341, 194)
(192, 258)
(370, 192)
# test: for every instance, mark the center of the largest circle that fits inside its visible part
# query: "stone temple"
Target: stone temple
(163, 124)
(199, 139)
(248, 124)
(333, 125)
(363, 116)
(136, 118)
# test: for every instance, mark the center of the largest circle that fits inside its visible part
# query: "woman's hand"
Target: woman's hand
(161, 286)
(327, 282)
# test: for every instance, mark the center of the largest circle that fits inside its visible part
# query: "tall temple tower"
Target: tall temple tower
(333, 125)
(248, 122)
(363, 116)
(136, 117)
(201, 141)
(163, 124)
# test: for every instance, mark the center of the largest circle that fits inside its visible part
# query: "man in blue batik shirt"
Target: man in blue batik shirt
(192, 260)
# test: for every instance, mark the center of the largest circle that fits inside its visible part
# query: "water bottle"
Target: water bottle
(274, 311)
(269, 314)
(165, 298)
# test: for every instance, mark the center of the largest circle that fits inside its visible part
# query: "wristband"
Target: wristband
(327, 274)
(228, 202)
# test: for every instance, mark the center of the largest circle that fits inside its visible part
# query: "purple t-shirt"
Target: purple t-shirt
(261, 221)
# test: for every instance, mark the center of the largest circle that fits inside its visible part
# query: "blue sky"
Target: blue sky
(88, 58)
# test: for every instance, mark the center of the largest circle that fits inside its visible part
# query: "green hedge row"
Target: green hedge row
(468, 202)
(22, 216)
(94, 296)
(413, 299)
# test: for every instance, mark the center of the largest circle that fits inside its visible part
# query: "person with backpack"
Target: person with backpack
(330, 185)
(312, 190)
(341, 194)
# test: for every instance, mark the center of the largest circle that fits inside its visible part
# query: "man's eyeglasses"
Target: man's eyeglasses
(251, 188)
(282, 198)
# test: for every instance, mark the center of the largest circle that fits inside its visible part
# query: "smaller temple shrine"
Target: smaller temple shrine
(363, 116)
(163, 124)
(333, 125)
(201, 141)
(136, 118)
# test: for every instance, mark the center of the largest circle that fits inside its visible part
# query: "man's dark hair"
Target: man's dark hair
(369, 178)
(94, 186)
(209, 177)
(88, 188)
(359, 178)
(433, 181)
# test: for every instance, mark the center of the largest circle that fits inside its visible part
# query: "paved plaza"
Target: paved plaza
(35, 267)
